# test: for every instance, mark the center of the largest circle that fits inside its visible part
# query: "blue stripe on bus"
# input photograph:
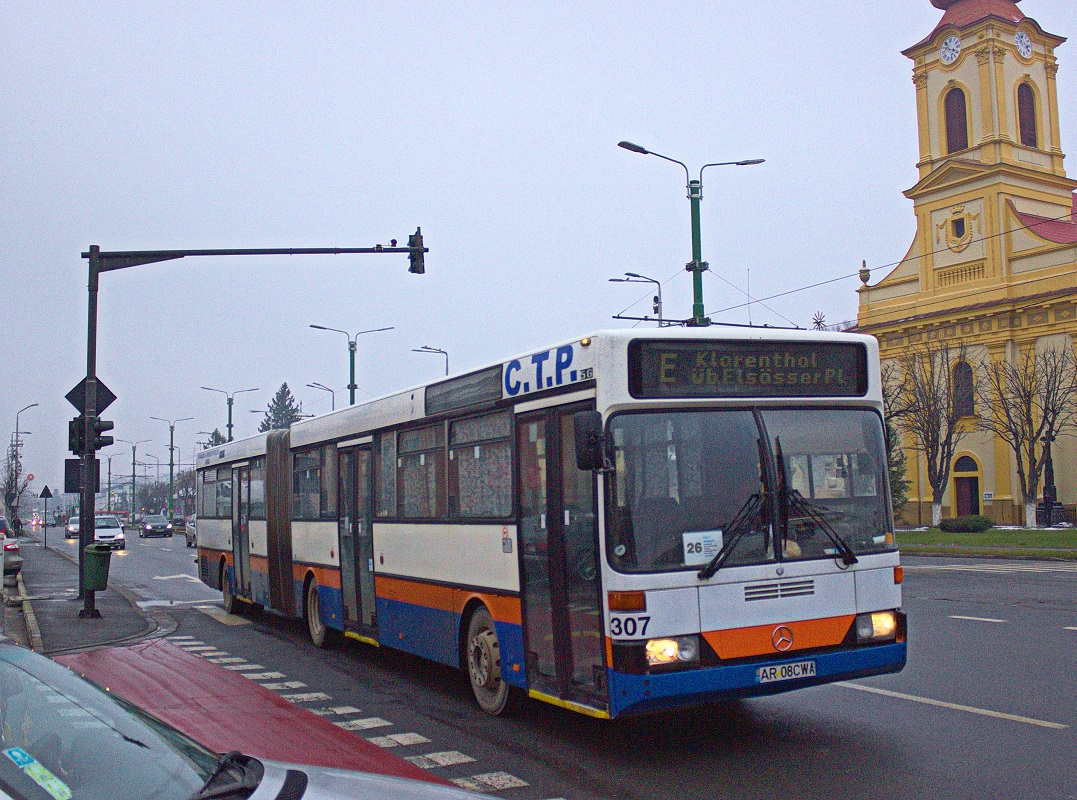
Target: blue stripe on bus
(636, 693)
(260, 588)
(434, 634)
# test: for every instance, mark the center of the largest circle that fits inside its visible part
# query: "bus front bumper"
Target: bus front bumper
(633, 694)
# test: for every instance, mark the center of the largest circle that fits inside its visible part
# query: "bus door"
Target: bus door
(558, 542)
(356, 534)
(241, 529)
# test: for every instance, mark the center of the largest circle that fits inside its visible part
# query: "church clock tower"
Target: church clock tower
(993, 265)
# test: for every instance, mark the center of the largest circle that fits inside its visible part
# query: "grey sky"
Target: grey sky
(150, 125)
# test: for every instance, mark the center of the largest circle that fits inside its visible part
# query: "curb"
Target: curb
(32, 629)
(153, 625)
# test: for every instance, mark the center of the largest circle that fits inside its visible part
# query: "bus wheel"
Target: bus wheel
(484, 665)
(231, 605)
(315, 626)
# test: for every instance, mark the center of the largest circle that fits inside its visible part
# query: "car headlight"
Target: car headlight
(149, 527)
(876, 626)
(672, 650)
(168, 527)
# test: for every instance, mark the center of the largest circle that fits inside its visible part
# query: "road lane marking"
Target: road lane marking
(363, 724)
(1070, 629)
(263, 676)
(194, 648)
(976, 619)
(184, 577)
(998, 569)
(446, 758)
(954, 706)
(279, 687)
(229, 660)
(219, 614)
(178, 638)
(489, 782)
(341, 710)
(241, 667)
(306, 697)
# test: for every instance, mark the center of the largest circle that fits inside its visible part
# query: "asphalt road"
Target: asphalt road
(987, 706)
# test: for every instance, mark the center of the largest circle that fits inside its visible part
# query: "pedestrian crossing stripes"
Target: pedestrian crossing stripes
(485, 782)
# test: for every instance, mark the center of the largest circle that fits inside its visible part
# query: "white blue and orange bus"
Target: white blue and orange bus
(619, 523)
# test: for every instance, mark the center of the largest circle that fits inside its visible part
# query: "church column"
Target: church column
(1051, 67)
(987, 115)
(999, 84)
(919, 78)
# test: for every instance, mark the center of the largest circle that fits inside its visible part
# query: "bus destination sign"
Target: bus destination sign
(699, 368)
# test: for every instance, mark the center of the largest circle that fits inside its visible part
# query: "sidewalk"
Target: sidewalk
(51, 581)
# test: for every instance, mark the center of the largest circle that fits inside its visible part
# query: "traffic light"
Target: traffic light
(99, 426)
(76, 435)
(415, 242)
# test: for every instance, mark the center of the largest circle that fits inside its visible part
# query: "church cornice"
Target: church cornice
(957, 171)
(1004, 303)
(985, 12)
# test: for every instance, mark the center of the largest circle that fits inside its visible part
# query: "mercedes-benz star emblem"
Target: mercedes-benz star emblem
(782, 638)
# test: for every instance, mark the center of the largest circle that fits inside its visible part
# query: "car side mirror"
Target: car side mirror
(590, 443)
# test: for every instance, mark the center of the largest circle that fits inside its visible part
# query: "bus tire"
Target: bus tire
(312, 609)
(228, 599)
(483, 653)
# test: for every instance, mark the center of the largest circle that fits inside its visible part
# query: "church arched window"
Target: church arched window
(957, 128)
(965, 464)
(1026, 114)
(964, 402)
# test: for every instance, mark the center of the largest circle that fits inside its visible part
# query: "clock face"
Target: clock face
(951, 49)
(1024, 44)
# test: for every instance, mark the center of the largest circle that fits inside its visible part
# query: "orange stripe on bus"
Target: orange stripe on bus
(260, 563)
(757, 640)
(446, 598)
(420, 594)
(326, 576)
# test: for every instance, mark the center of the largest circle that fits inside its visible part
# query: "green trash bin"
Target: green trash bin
(96, 564)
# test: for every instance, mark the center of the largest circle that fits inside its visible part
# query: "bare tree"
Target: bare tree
(1027, 401)
(929, 407)
(896, 459)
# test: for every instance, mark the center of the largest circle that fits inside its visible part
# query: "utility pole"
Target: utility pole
(172, 454)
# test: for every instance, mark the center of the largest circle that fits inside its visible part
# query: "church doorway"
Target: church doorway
(966, 486)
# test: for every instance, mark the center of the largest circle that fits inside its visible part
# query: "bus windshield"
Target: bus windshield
(682, 477)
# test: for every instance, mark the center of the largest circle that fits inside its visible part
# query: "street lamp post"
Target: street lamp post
(18, 456)
(697, 266)
(332, 394)
(633, 277)
(228, 395)
(428, 349)
(172, 454)
(351, 353)
(134, 448)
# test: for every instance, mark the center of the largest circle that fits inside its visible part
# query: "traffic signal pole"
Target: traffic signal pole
(87, 510)
(92, 427)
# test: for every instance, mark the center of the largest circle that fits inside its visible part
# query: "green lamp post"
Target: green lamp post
(697, 266)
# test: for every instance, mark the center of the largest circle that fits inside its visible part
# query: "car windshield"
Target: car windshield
(73, 522)
(64, 737)
(156, 520)
(681, 478)
(106, 522)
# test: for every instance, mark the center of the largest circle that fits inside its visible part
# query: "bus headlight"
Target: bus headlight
(877, 626)
(672, 651)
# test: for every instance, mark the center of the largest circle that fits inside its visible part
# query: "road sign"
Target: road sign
(30, 477)
(77, 396)
(45, 493)
(73, 475)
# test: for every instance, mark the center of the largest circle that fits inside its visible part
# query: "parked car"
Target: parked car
(155, 525)
(192, 532)
(108, 530)
(12, 558)
(5, 528)
(65, 737)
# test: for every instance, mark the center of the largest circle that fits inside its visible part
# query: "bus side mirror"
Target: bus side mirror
(590, 449)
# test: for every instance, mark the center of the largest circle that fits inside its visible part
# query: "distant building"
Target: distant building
(994, 261)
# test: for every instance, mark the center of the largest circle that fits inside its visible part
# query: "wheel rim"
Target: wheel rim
(314, 611)
(484, 661)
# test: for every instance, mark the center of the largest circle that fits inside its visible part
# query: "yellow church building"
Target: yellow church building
(993, 265)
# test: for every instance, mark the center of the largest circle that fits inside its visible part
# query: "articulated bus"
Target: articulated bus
(620, 523)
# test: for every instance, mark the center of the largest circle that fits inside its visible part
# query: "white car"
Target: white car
(108, 530)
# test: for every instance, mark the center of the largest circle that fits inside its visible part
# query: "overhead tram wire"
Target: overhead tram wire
(902, 261)
(753, 299)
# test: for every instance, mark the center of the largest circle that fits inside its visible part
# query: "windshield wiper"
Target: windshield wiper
(737, 527)
(817, 514)
(232, 759)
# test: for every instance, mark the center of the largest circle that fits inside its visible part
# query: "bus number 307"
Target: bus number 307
(629, 626)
